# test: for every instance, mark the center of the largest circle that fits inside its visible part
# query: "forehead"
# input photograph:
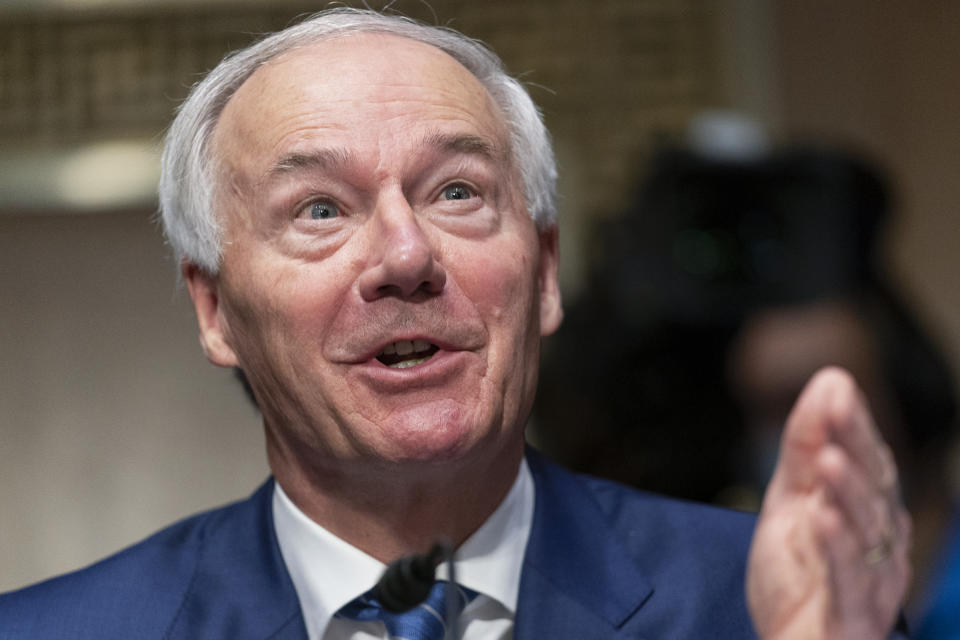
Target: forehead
(352, 89)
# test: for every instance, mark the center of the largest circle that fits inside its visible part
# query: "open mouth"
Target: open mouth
(406, 353)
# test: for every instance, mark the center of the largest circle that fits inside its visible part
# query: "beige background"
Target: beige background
(112, 424)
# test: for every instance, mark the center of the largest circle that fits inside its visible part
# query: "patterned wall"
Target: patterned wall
(607, 73)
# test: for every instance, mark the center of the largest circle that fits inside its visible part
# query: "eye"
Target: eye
(457, 192)
(323, 210)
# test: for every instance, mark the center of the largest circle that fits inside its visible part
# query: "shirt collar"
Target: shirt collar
(489, 562)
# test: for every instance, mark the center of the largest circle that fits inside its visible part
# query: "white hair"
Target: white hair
(189, 171)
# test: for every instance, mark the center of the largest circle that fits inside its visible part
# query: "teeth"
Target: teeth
(406, 353)
(405, 347)
(403, 364)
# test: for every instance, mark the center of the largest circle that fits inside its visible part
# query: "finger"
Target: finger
(852, 426)
(850, 608)
(866, 507)
(806, 432)
(865, 599)
(843, 551)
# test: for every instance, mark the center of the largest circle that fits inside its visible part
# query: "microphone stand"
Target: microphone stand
(406, 583)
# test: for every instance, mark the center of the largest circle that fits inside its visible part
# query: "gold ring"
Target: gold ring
(880, 552)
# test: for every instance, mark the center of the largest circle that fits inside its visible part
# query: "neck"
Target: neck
(397, 509)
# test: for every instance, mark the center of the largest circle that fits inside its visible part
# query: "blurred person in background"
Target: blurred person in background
(739, 273)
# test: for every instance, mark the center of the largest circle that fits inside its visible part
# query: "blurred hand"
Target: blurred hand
(829, 558)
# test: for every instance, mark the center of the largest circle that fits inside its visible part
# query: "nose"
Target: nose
(403, 263)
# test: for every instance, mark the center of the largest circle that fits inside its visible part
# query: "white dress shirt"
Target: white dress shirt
(328, 572)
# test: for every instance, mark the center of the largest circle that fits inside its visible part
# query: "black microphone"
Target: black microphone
(407, 581)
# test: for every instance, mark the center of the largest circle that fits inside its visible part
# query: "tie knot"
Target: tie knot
(427, 621)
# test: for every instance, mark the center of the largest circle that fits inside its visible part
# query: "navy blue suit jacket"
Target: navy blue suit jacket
(603, 562)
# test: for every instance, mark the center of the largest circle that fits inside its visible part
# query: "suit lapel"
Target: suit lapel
(240, 589)
(577, 581)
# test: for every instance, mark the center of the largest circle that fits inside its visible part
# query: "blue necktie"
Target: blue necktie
(425, 622)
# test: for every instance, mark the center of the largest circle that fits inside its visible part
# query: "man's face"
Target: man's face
(382, 284)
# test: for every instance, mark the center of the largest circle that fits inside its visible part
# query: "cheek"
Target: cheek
(308, 307)
(504, 293)
(281, 316)
(501, 287)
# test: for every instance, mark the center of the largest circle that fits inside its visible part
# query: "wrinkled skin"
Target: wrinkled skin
(368, 196)
(829, 559)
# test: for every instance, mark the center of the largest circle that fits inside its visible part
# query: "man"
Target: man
(363, 208)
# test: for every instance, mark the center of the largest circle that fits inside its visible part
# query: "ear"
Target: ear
(551, 306)
(204, 291)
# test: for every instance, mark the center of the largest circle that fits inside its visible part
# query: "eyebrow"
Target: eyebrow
(322, 159)
(464, 144)
(330, 160)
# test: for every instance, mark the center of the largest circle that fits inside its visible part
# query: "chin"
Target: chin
(432, 433)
